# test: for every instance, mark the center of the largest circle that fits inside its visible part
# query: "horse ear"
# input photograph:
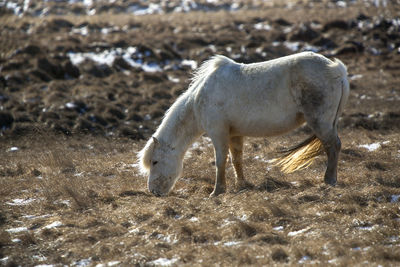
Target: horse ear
(155, 141)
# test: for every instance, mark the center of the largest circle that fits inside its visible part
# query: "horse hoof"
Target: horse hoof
(244, 186)
(215, 193)
(331, 182)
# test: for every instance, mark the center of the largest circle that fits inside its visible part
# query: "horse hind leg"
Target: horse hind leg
(327, 133)
(320, 113)
(236, 152)
(332, 149)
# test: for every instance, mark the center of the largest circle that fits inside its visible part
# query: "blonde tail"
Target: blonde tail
(300, 156)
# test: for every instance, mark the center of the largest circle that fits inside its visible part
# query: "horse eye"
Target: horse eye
(155, 162)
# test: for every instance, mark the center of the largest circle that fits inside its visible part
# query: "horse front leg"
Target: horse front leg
(221, 152)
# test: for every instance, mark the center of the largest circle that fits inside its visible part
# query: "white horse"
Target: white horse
(228, 101)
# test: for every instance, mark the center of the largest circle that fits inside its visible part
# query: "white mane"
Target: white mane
(144, 157)
(208, 67)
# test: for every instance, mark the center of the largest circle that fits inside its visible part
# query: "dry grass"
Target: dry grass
(80, 200)
(104, 212)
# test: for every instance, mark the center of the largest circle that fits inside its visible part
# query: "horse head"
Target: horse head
(162, 165)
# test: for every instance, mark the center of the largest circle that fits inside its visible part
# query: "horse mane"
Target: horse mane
(208, 67)
(144, 157)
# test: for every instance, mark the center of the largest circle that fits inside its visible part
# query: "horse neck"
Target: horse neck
(179, 128)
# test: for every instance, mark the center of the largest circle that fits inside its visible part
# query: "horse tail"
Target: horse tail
(302, 155)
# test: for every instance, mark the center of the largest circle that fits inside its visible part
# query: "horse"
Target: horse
(229, 100)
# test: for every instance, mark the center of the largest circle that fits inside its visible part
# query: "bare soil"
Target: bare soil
(70, 190)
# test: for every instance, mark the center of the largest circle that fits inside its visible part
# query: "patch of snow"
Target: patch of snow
(287, 29)
(16, 230)
(259, 158)
(167, 238)
(39, 257)
(110, 263)
(332, 261)
(276, 43)
(194, 219)
(243, 218)
(134, 231)
(107, 57)
(12, 149)
(30, 217)
(260, 50)
(15, 7)
(191, 63)
(16, 240)
(360, 249)
(294, 233)
(83, 262)
(113, 263)
(373, 146)
(53, 225)
(341, 4)
(91, 12)
(147, 117)
(21, 202)
(4, 260)
(226, 222)
(173, 79)
(293, 46)
(213, 48)
(150, 67)
(355, 77)
(70, 105)
(45, 265)
(163, 262)
(140, 10)
(82, 31)
(231, 243)
(394, 198)
(313, 48)
(65, 202)
(367, 228)
(262, 26)
(278, 228)
(304, 259)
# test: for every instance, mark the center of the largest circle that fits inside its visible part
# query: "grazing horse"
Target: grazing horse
(229, 100)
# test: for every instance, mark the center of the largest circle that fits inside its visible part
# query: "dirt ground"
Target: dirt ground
(83, 84)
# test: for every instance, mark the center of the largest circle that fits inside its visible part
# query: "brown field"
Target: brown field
(70, 190)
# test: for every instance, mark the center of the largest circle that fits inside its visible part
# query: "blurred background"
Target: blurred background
(112, 68)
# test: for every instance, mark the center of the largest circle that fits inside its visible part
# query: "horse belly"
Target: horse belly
(266, 122)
